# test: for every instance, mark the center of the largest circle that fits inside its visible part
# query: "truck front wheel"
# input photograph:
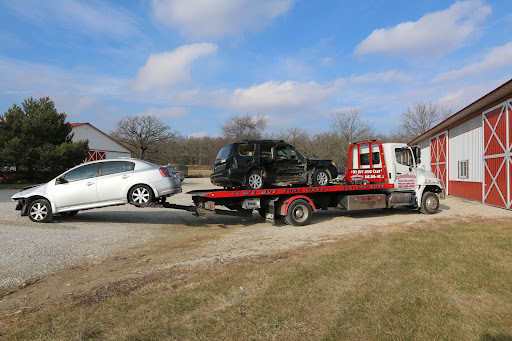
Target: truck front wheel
(429, 203)
(299, 213)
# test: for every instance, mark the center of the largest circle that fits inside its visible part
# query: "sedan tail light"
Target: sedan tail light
(165, 172)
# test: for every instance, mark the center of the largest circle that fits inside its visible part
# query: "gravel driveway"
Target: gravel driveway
(30, 249)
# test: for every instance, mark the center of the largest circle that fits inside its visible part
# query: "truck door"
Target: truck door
(290, 165)
(404, 168)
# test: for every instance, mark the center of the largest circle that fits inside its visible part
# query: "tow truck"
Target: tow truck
(379, 176)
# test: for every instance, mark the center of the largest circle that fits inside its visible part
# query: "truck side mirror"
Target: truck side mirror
(418, 160)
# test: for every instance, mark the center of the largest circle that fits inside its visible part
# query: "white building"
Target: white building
(471, 151)
(101, 146)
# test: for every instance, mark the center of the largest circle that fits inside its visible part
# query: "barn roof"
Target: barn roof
(472, 110)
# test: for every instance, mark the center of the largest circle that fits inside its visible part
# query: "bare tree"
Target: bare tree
(141, 133)
(421, 118)
(244, 127)
(348, 127)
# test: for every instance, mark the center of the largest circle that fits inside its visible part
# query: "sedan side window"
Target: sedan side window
(80, 173)
(114, 167)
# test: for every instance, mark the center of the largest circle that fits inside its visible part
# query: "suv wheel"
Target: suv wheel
(320, 178)
(254, 180)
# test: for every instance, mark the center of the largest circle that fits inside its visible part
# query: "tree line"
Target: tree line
(36, 141)
(150, 139)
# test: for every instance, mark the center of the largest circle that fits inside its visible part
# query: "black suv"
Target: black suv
(258, 163)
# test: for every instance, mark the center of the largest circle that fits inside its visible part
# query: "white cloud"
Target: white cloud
(87, 17)
(167, 69)
(219, 18)
(278, 95)
(199, 134)
(432, 35)
(498, 57)
(172, 112)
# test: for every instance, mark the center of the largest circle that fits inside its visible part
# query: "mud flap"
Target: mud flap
(271, 214)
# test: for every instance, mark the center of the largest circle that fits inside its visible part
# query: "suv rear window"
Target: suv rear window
(246, 149)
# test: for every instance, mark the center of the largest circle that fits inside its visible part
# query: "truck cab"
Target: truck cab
(373, 162)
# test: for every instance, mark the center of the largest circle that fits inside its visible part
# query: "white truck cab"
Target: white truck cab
(373, 162)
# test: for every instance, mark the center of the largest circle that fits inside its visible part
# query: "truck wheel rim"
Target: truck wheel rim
(255, 181)
(431, 203)
(300, 213)
(140, 195)
(38, 211)
(321, 178)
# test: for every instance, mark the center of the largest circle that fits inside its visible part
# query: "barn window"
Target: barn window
(463, 169)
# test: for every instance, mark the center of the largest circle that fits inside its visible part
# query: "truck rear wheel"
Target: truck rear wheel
(299, 213)
(429, 203)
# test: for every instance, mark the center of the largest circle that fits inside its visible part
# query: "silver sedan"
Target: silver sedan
(97, 184)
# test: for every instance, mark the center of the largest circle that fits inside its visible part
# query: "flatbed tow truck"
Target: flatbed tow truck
(379, 175)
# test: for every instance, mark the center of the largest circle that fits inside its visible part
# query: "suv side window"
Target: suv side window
(114, 167)
(286, 152)
(246, 149)
(265, 151)
(84, 172)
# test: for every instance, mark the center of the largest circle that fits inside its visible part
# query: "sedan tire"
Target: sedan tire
(140, 194)
(40, 211)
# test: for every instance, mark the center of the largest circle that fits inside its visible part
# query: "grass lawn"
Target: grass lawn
(448, 282)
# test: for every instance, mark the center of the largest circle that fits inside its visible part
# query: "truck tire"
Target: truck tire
(254, 180)
(40, 211)
(299, 213)
(320, 178)
(429, 203)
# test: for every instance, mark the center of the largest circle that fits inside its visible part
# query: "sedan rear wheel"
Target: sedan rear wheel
(40, 211)
(140, 194)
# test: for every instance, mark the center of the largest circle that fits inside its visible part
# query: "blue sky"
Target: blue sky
(195, 63)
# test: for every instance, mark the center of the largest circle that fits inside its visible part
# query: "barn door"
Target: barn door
(439, 158)
(497, 123)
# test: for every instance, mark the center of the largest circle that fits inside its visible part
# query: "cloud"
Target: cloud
(172, 112)
(498, 57)
(167, 69)
(432, 35)
(97, 17)
(219, 18)
(199, 134)
(277, 95)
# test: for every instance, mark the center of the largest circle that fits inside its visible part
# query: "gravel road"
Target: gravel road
(30, 249)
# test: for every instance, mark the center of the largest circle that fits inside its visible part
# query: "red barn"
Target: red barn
(471, 151)
(101, 146)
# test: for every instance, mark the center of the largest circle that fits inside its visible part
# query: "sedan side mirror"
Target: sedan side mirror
(61, 180)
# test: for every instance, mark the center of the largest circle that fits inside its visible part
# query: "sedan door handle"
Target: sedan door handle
(126, 176)
(89, 184)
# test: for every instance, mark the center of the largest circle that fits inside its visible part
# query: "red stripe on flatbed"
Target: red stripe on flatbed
(294, 190)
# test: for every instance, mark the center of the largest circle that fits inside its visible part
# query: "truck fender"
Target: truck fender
(283, 206)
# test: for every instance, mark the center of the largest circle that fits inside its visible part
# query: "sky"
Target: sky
(196, 63)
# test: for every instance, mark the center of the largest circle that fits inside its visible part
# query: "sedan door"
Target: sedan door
(77, 187)
(114, 180)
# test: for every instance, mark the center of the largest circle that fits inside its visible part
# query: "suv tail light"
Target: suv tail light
(165, 172)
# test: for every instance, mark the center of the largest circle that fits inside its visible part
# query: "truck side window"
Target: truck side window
(364, 156)
(404, 156)
(376, 156)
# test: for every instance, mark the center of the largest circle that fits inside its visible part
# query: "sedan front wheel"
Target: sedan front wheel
(40, 211)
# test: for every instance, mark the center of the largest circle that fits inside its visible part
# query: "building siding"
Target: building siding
(467, 146)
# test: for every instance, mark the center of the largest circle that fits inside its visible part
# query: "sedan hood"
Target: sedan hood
(30, 191)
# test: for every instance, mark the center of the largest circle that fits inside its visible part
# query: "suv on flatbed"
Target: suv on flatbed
(255, 164)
